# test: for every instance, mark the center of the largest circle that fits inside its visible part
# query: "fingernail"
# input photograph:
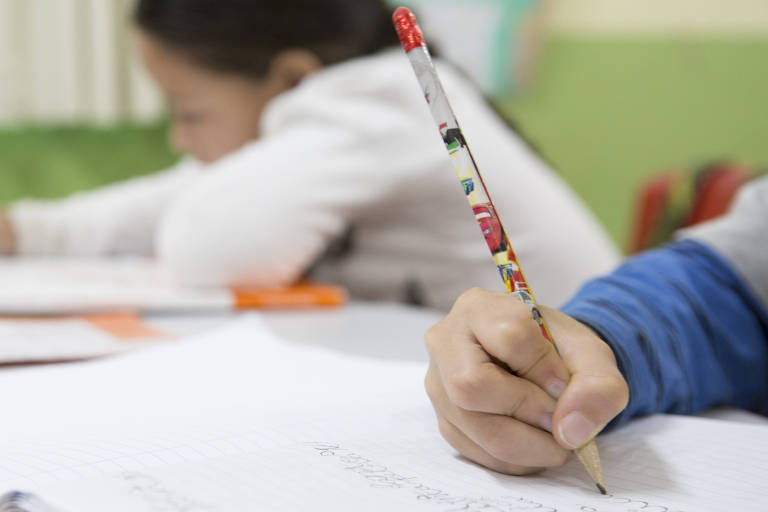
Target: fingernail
(546, 422)
(576, 430)
(556, 387)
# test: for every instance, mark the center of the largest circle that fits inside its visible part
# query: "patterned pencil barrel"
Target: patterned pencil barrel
(471, 181)
(477, 194)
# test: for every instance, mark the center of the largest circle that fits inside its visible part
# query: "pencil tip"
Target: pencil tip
(601, 489)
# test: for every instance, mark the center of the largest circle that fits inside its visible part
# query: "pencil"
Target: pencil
(474, 188)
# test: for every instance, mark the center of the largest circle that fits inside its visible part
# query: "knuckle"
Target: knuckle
(470, 300)
(606, 351)
(536, 354)
(520, 329)
(520, 312)
(508, 329)
(431, 385)
(616, 383)
(512, 337)
(516, 310)
(471, 296)
(520, 342)
(518, 403)
(615, 387)
(621, 392)
(466, 388)
(433, 337)
(611, 391)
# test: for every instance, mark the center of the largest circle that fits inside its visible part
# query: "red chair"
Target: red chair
(674, 199)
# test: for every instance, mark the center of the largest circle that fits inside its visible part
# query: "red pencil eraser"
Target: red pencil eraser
(407, 29)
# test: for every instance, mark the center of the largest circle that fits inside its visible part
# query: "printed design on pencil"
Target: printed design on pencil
(427, 77)
(468, 184)
(486, 218)
(471, 181)
(453, 138)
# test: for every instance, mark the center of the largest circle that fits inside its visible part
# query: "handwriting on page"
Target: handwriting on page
(158, 497)
(380, 476)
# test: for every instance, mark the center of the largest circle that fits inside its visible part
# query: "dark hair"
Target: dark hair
(243, 36)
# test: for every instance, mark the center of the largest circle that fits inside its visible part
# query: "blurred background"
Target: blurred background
(610, 91)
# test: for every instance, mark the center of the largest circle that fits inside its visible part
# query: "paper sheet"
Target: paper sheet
(64, 339)
(57, 285)
(240, 420)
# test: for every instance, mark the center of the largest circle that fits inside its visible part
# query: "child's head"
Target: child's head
(220, 61)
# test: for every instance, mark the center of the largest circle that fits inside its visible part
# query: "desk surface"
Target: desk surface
(386, 331)
(381, 330)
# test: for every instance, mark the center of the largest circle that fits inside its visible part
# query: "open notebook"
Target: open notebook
(71, 285)
(238, 419)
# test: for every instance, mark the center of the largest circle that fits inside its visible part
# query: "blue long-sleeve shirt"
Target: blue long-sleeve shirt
(687, 331)
(689, 322)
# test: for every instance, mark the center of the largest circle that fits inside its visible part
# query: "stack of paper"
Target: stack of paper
(45, 292)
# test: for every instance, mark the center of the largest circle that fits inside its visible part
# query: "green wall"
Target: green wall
(53, 161)
(608, 112)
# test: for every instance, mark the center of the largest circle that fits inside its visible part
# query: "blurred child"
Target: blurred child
(677, 330)
(311, 153)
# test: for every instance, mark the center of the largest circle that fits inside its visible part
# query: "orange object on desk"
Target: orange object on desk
(123, 326)
(297, 296)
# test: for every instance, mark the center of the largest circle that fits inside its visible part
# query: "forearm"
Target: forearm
(116, 219)
(687, 332)
(7, 236)
(259, 217)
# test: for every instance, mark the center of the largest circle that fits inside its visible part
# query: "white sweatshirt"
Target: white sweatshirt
(350, 154)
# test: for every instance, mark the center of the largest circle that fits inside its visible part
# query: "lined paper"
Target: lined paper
(240, 420)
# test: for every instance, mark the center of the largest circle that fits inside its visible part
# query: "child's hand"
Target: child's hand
(500, 417)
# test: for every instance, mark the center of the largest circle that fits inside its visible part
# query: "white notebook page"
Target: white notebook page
(245, 421)
(76, 285)
(61, 339)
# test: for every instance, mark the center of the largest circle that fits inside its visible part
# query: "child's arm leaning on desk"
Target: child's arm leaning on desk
(115, 219)
(688, 326)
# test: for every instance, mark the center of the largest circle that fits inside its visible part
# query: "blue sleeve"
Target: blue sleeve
(687, 331)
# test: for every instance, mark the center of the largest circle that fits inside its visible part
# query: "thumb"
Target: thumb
(596, 392)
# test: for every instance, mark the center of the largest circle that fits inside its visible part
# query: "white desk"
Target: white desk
(383, 330)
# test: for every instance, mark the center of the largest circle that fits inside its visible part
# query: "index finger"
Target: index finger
(506, 330)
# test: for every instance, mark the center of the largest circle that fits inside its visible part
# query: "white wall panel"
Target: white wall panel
(71, 61)
(730, 17)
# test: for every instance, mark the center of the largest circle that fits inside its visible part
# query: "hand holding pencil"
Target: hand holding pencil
(489, 363)
(499, 388)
